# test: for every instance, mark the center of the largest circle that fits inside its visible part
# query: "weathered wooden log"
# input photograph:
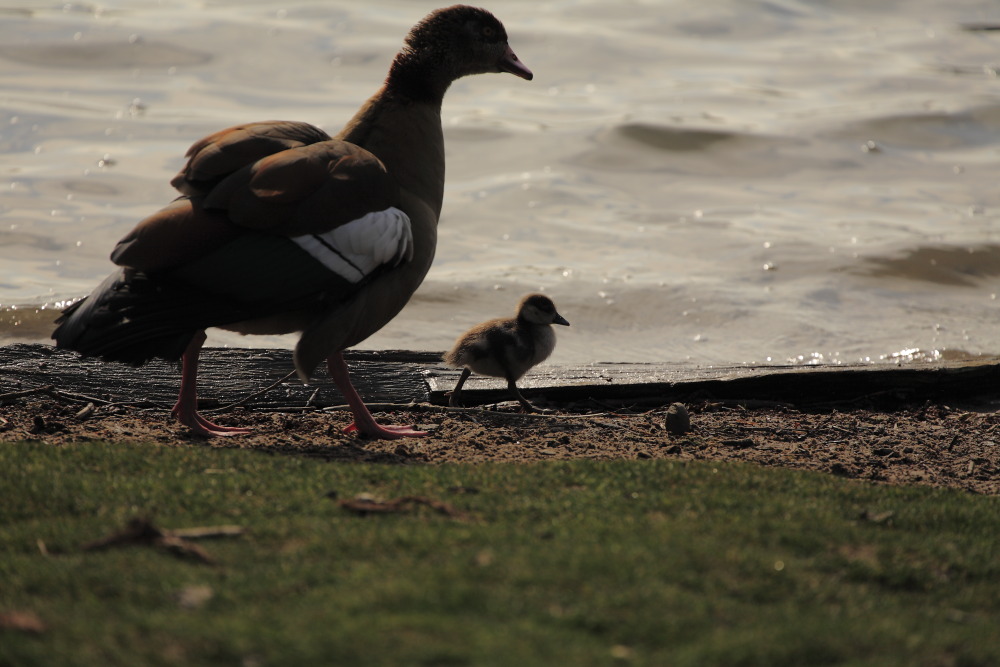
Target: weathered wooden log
(229, 375)
(225, 375)
(803, 386)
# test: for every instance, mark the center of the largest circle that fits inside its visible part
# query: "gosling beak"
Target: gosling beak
(510, 63)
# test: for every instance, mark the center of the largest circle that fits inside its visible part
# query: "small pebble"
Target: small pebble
(678, 419)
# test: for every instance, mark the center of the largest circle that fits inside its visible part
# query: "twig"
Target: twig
(770, 429)
(604, 404)
(391, 407)
(137, 404)
(75, 398)
(140, 531)
(27, 392)
(287, 408)
(312, 397)
(752, 403)
(255, 394)
(85, 400)
(428, 407)
(59, 394)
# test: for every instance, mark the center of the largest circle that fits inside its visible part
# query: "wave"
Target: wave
(952, 266)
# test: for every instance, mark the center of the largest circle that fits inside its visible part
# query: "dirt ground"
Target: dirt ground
(930, 444)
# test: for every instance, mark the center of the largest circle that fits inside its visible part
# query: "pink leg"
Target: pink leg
(186, 408)
(364, 423)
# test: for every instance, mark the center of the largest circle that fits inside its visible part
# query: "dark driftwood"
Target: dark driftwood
(231, 375)
(225, 376)
(803, 386)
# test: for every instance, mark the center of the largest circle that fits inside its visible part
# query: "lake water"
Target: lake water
(696, 182)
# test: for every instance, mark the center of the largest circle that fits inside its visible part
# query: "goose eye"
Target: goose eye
(488, 32)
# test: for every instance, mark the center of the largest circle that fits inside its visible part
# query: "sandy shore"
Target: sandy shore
(930, 444)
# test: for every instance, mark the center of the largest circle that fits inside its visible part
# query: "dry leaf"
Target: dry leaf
(22, 621)
(365, 504)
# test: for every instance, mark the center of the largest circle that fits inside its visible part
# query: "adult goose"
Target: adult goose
(507, 347)
(283, 228)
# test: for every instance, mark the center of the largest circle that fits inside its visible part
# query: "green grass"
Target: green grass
(569, 563)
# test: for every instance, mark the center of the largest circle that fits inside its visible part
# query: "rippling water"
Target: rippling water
(725, 182)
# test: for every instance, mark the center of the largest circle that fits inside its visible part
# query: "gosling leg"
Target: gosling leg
(525, 404)
(455, 395)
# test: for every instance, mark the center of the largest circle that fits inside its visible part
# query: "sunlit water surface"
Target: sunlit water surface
(702, 183)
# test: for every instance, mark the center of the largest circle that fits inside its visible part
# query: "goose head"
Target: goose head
(451, 43)
(539, 309)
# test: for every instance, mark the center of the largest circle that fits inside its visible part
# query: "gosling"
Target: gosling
(507, 347)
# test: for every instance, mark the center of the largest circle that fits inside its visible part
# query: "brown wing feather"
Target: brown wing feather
(280, 177)
(306, 190)
(222, 153)
(177, 234)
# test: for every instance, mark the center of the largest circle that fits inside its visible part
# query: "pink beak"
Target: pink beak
(510, 63)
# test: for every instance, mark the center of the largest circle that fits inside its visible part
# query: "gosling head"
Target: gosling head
(539, 309)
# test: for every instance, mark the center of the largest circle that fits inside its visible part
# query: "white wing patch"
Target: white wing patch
(357, 248)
